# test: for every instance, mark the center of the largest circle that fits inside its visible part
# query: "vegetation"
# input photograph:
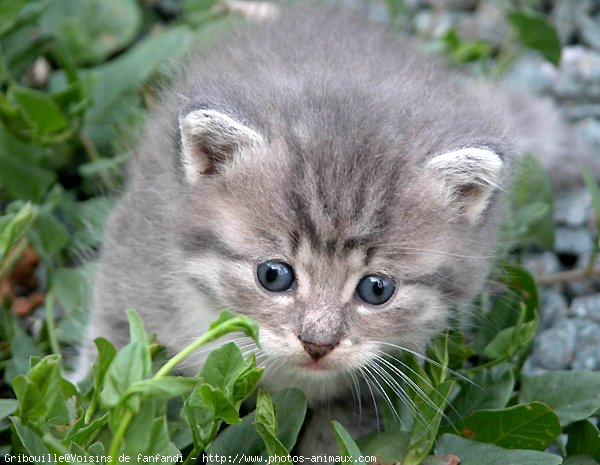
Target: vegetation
(74, 77)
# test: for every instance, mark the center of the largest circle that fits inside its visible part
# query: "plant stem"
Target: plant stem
(50, 323)
(13, 257)
(211, 335)
(214, 333)
(115, 445)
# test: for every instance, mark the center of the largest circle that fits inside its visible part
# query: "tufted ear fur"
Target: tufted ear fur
(470, 176)
(209, 138)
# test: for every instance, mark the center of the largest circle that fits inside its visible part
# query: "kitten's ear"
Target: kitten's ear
(470, 176)
(210, 138)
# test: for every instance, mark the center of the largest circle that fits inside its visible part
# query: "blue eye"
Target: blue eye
(275, 276)
(375, 290)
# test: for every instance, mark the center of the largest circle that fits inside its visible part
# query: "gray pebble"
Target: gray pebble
(587, 307)
(573, 208)
(531, 73)
(579, 75)
(573, 241)
(587, 350)
(554, 349)
(553, 307)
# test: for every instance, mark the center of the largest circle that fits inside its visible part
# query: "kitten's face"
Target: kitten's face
(339, 257)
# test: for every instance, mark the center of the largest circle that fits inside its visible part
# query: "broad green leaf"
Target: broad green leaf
(346, 444)
(39, 110)
(290, 409)
(115, 92)
(490, 389)
(14, 227)
(166, 386)
(131, 364)
(438, 352)
(573, 395)
(476, 453)
(22, 348)
(223, 366)
(222, 407)
(90, 30)
(537, 33)
(9, 13)
(246, 382)
(160, 443)
(82, 433)
(510, 340)
(15, 13)
(584, 439)
(532, 205)
(29, 438)
(48, 235)
(461, 51)
(388, 446)
(273, 445)
(265, 412)
(20, 171)
(7, 406)
(72, 288)
(430, 412)
(531, 426)
(138, 435)
(245, 324)
(137, 333)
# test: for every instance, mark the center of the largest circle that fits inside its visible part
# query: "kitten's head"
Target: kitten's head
(343, 239)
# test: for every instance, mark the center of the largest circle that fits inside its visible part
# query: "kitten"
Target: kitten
(322, 176)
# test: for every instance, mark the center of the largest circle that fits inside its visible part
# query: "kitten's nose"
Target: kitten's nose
(317, 351)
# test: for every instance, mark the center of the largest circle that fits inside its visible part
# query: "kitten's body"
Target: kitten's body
(326, 143)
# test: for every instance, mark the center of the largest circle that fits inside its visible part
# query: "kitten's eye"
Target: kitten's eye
(375, 290)
(275, 276)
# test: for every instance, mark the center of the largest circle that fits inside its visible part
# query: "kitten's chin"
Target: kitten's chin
(319, 383)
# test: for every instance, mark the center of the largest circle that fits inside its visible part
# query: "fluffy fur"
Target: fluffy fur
(323, 141)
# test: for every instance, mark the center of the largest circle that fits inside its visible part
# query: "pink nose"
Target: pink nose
(317, 351)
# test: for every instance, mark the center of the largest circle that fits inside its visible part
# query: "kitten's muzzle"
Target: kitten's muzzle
(318, 351)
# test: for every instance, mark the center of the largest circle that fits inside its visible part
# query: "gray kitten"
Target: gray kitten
(322, 176)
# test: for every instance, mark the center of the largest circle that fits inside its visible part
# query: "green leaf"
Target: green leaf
(531, 426)
(273, 445)
(160, 443)
(7, 406)
(244, 324)
(346, 444)
(388, 446)
(573, 395)
(22, 349)
(39, 110)
(30, 440)
(137, 333)
(490, 389)
(72, 288)
(82, 433)
(510, 340)
(48, 235)
(531, 201)
(430, 413)
(166, 386)
(475, 453)
(115, 92)
(223, 366)
(14, 227)
(20, 171)
(265, 412)
(584, 439)
(91, 30)
(536, 33)
(9, 13)
(461, 51)
(222, 407)
(290, 409)
(437, 351)
(131, 364)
